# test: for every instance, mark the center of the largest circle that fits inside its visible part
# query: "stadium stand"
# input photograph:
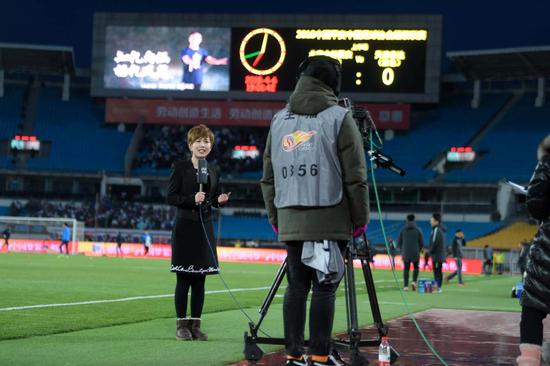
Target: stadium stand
(507, 238)
(510, 146)
(79, 141)
(452, 123)
(10, 116)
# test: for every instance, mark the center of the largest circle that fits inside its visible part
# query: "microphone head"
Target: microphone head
(202, 172)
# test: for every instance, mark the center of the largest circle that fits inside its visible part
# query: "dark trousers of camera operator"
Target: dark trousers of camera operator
(407, 268)
(321, 313)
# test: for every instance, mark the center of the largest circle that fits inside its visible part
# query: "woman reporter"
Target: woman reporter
(193, 254)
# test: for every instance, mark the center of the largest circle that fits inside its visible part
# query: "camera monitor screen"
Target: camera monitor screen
(167, 58)
(265, 60)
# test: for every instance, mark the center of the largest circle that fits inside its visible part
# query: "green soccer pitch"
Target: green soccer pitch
(119, 311)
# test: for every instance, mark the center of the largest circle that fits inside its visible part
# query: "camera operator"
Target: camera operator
(314, 186)
(535, 299)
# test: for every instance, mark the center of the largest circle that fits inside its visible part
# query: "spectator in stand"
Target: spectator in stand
(410, 242)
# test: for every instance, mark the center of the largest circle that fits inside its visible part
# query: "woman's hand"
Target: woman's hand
(199, 197)
(223, 198)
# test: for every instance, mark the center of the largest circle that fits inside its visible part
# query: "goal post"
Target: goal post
(42, 228)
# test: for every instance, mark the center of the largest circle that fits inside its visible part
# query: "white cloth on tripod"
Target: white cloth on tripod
(325, 257)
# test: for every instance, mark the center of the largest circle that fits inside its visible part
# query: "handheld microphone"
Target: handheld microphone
(202, 173)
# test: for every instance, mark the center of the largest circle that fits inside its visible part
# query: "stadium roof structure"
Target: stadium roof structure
(522, 63)
(504, 64)
(36, 59)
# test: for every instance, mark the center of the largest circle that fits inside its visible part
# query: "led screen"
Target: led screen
(167, 58)
(265, 60)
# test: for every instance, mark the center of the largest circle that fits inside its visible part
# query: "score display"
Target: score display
(386, 58)
(265, 60)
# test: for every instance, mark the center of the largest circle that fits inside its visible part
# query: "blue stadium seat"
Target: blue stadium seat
(79, 141)
(10, 116)
(511, 145)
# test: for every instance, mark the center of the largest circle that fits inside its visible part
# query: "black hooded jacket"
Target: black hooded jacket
(536, 292)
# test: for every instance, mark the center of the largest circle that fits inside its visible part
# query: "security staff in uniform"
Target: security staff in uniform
(314, 186)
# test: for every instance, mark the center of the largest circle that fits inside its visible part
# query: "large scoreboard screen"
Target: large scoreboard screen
(387, 58)
(167, 58)
(373, 60)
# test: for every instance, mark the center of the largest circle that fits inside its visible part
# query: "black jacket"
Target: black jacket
(438, 248)
(456, 246)
(536, 292)
(182, 187)
(410, 242)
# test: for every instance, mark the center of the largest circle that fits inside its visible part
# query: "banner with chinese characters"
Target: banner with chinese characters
(229, 113)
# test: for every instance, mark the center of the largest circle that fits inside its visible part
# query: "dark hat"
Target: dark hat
(324, 68)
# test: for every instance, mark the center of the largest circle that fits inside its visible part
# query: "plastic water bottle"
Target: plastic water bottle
(384, 352)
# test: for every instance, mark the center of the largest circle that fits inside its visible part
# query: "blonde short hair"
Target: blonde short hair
(199, 132)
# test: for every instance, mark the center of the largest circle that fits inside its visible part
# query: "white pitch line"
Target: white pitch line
(121, 300)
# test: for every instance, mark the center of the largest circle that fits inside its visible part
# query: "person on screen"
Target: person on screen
(193, 56)
(194, 253)
(535, 298)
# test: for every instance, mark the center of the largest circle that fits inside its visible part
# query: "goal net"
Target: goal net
(38, 234)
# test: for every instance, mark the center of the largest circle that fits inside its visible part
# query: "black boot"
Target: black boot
(183, 330)
(196, 330)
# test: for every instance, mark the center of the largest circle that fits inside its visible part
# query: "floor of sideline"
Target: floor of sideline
(461, 337)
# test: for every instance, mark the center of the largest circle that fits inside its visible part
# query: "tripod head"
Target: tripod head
(368, 130)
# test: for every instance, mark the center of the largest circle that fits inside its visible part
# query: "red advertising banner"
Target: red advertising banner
(225, 254)
(37, 246)
(228, 113)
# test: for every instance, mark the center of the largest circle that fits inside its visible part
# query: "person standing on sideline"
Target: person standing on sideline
(193, 246)
(314, 186)
(487, 260)
(6, 234)
(535, 298)
(438, 249)
(65, 238)
(426, 257)
(456, 248)
(119, 241)
(147, 241)
(410, 243)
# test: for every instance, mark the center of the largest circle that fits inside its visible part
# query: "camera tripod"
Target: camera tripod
(254, 353)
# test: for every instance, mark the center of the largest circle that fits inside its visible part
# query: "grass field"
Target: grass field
(140, 328)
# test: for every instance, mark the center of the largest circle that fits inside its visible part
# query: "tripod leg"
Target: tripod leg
(356, 359)
(252, 351)
(271, 293)
(373, 299)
